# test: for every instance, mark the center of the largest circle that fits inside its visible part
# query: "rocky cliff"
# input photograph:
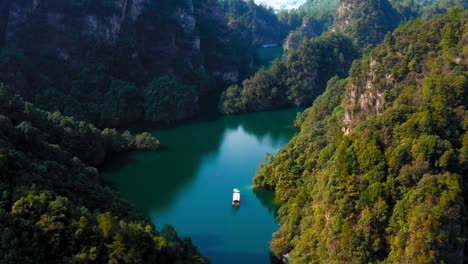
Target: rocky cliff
(309, 28)
(97, 59)
(363, 98)
(161, 31)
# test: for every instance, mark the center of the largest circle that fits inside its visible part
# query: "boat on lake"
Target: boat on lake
(269, 45)
(236, 197)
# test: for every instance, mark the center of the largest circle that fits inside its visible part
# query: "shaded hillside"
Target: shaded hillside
(376, 173)
(53, 208)
(256, 23)
(297, 80)
(101, 60)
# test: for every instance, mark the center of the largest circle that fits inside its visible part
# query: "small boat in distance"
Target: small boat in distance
(269, 45)
(236, 197)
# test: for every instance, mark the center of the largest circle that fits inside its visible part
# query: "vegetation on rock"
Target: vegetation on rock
(376, 173)
(296, 81)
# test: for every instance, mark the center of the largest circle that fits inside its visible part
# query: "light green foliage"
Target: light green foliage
(366, 22)
(145, 141)
(392, 189)
(427, 8)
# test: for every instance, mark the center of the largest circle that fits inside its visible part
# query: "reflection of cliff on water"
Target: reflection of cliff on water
(189, 184)
(164, 174)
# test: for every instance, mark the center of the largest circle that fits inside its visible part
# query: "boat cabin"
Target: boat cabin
(236, 197)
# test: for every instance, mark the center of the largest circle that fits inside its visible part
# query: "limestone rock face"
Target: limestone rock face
(166, 34)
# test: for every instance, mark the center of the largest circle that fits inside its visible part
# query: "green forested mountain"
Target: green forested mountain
(53, 208)
(317, 16)
(103, 61)
(304, 74)
(297, 80)
(376, 172)
(411, 9)
(366, 22)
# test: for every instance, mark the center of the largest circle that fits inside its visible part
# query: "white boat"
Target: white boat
(269, 45)
(236, 197)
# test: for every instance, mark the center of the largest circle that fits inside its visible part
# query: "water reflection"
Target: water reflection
(268, 200)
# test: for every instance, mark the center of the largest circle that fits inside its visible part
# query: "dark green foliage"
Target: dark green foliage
(295, 82)
(52, 207)
(376, 173)
(95, 60)
(310, 28)
(232, 101)
(167, 99)
(78, 138)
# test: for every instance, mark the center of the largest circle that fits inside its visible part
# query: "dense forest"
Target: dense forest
(107, 61)
(53, 207)
(316, 16)
(336, 40)
(376, 172)
(364, 21)
(297, 80)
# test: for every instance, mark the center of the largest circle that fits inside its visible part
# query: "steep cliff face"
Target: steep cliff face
(363, 98)
(309, 28)
(169, 41)
(4, 16)
(161, 31)
(98, 59)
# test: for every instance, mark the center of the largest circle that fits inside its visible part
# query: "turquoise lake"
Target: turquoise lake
(189, 183)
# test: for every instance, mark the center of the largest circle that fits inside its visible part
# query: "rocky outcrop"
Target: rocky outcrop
(362, 99)
(309, 28)
(97, 58)
(60, 19)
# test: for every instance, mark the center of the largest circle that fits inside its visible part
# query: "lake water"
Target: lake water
(267, 55)
(189, 184)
